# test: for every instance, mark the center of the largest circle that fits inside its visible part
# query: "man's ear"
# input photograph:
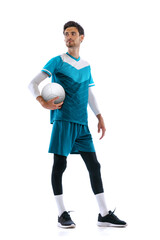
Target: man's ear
(82, 38)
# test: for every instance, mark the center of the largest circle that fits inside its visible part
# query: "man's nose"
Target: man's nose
(69, 36)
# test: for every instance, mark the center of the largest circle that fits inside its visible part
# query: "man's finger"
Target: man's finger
(103, 133)
(53, 99)
(102, 136)
(59, 104)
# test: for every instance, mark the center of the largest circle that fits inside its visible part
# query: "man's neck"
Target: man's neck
(74, 52)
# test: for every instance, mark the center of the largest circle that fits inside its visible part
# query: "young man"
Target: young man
(70, 133)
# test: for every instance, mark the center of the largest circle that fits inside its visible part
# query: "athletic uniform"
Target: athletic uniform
(70, 132)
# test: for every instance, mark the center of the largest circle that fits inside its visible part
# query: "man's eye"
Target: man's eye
(73, 33)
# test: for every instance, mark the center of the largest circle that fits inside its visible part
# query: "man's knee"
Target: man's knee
(91, 162)
(60, 164)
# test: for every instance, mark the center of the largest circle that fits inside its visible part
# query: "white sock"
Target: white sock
(60, 204)
(102, 204)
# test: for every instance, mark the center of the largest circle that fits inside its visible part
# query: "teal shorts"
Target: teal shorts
(70, 138)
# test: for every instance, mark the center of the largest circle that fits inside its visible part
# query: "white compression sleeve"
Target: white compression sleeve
(92, 102)
(33, 86)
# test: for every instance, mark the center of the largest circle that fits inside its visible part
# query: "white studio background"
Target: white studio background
(122, 45)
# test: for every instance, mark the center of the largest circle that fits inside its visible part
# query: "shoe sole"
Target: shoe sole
(106, 224)
(63, 226)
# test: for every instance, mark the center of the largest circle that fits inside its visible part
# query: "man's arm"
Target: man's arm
(94, 106)
(33, 87)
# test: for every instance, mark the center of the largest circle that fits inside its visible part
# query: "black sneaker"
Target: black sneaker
(110, 220)
(65, 221)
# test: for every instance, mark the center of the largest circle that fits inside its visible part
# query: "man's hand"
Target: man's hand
(50, 103)
(101, 125)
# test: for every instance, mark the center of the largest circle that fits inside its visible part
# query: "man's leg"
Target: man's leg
(105, 218)
(59, 166)
(93, 167)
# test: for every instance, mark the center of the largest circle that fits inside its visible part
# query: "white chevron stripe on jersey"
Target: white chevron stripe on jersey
(76, 64)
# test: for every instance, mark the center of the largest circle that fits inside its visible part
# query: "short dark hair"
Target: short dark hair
(74, 24)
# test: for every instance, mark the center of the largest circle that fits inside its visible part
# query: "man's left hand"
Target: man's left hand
(101, 125)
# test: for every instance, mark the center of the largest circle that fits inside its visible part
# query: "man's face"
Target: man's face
(72, 37)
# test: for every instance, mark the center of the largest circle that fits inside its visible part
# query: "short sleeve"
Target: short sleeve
(91, 82)
(51, 66)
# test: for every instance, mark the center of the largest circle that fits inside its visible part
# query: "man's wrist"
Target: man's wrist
(41, 100)
(99, 116)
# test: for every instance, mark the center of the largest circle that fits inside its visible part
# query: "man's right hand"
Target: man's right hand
(50, 103)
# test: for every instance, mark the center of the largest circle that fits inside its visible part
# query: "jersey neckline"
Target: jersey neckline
(77, 59)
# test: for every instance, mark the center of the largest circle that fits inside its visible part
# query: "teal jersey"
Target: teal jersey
(74, 75)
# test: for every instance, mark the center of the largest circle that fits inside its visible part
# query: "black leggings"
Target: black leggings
(92, 164)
